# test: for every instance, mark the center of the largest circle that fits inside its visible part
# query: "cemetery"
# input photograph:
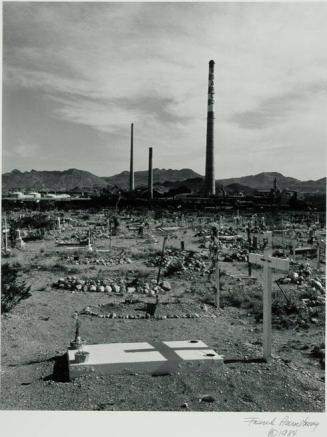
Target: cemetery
(139, 310)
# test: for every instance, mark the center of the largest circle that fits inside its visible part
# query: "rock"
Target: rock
(165, 285)
(116, 288)
(207, 398)
(92, 288)
(78, 287)
(184, 405)
(101, 288)
(107, 289)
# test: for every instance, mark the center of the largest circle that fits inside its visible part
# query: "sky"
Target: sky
(76, 75)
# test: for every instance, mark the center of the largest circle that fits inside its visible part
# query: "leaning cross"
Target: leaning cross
(268, 263)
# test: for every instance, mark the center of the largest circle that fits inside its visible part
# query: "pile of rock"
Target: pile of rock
(112, 260)
(234, 254)
(179, 261)
(89, 285)
(301, 274)
(72, 283)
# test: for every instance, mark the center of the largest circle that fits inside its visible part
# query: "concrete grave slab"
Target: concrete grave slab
(143, 357)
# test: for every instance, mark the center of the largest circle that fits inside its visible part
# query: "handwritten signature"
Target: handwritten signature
(283, 427)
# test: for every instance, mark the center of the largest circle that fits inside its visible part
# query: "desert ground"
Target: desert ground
(111, 285)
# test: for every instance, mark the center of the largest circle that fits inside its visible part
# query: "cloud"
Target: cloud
(25, 150)
(105, 65)
(276, 110)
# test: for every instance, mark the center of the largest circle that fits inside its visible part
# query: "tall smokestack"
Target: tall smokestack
(210, 186)
(131, 169)
(150, 175)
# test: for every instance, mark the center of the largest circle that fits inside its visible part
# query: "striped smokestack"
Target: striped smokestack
(131, 169)
(150, 176)
(210, 186)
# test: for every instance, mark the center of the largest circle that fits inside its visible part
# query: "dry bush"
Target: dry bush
(13, 290)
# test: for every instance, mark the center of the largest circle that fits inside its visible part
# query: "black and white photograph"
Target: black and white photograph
(164, 211)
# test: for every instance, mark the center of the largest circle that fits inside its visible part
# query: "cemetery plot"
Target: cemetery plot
(157, 358)
(146, 278)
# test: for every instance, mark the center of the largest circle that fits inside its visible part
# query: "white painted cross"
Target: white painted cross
(5, 232)
(268, 237)
(268, 263)
(20, 240)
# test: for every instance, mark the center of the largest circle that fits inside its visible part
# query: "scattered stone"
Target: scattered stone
(207, 398)
(165, 285)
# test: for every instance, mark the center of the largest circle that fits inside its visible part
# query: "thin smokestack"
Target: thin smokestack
(131, 169)
(210, 186)
(150, 175)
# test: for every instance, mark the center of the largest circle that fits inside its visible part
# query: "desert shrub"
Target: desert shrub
(143, 252)
(37, 221)
(13, 290)
(245, 297)
(173, 268)
(142, 273)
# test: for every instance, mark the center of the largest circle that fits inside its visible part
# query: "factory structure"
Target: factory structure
(209, 181)
(201, 192)
(205, 192)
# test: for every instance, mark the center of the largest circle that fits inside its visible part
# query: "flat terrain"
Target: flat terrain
(37, 332)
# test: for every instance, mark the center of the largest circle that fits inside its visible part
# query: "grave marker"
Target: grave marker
(144, 357)
(217, 299)
(162, 258)
(20, 240)
(268, 263)
(5, 232)
(268, 237)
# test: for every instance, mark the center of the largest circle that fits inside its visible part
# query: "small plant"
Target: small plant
(13, 290)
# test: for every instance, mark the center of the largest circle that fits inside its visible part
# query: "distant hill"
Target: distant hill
(164, 180)
(67, 180)
(235, 188)
(159, 176)
(265, 181)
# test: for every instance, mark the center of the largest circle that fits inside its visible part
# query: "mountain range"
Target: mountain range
(67, 180)
(160, 176)
(79, 180)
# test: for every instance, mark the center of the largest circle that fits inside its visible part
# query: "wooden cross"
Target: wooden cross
(268, 262)
(5, 232)
(268, 237)
(217, 286)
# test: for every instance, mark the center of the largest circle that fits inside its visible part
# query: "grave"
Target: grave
(155, 358)
(268, 262)
(20, 240)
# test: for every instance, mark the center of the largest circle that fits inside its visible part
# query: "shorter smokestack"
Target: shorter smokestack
(150, 176)
(131, 170)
